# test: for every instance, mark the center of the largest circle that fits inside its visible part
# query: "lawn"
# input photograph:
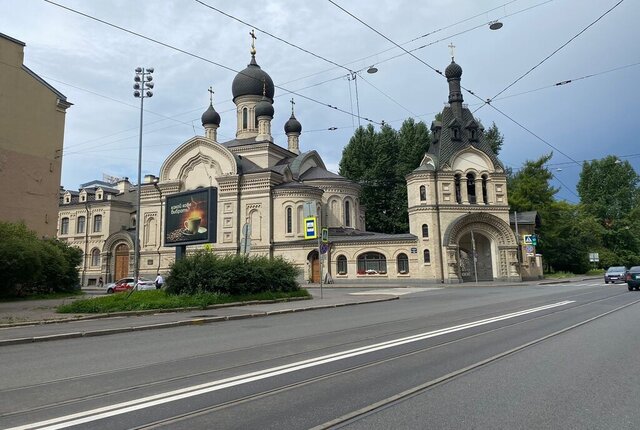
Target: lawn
(159, 299)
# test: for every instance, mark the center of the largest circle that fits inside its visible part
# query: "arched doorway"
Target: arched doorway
(121, 269)
(470, 244)
(314, 266)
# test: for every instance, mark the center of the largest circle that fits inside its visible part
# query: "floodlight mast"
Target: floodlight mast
(142, 89)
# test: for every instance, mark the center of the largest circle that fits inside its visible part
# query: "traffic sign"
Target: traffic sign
(310, 228)
(527, 239)
(325, 235)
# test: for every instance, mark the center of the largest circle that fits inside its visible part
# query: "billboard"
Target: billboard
(191, 217)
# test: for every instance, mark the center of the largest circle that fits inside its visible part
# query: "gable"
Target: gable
(197, 162)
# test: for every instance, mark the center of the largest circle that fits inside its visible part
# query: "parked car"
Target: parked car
(126, 284)
(615, 273)
(633, 278)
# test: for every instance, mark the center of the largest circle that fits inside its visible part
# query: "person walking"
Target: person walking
(159, 281)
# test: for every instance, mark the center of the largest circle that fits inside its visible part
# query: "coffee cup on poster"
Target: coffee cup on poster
(192, 225)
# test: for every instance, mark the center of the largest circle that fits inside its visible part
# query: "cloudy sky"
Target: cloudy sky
(88, 50)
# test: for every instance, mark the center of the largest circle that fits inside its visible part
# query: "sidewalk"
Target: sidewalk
(37, 321)
(52, 326)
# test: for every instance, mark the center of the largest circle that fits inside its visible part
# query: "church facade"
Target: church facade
(457, 198)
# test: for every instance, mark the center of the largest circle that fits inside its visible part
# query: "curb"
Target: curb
(150, 312)
(180, 323)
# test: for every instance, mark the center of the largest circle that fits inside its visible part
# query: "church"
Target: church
(263, 193)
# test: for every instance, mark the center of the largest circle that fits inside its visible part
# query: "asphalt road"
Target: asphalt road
(534, 357)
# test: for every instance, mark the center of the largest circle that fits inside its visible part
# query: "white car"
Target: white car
(126, 284)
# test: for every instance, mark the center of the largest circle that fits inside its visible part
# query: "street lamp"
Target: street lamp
(142, 88)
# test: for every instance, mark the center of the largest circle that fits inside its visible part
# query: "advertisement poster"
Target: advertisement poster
(191, 217)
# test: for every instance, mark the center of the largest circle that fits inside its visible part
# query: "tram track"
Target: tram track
(78, 400)
(342, 372)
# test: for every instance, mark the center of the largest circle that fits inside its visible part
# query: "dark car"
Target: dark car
(633, 278)
(614, 274)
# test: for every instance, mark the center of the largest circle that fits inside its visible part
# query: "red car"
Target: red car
(126, 284)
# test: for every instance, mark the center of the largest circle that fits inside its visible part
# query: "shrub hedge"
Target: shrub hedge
(29, 265)
(236, 275)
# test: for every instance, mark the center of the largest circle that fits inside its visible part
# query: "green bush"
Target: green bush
(30, 265)
(235, 275)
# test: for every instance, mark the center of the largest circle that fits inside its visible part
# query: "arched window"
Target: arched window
(403, 264)
(81, 224)
(471, 188)
(300, 220)
(64, 226)
(289, 220)
(347, 213)
(425, 231)
(245, 118)
(95, 257)
(341, 265)
(485, 198)
(457, 185)
(423, 193)
(427, 256)
(97, 223)
(372, 263)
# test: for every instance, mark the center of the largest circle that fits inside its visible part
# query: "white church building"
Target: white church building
(457, 202)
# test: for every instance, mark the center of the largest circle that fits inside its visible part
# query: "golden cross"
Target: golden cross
(252, 33)
(452, 47)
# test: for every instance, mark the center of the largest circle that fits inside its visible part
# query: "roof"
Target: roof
(61, 96)
(19, 42)
(525, 218)
(446, 148)
(320, 173)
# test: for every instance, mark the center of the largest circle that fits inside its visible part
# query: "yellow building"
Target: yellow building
(32, 115)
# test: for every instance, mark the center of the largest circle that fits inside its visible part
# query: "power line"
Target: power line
(191, 54)
(440, 73)
(552, 54)
(354, 75)
(274, 36)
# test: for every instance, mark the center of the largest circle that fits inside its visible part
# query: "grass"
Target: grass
(159, 299)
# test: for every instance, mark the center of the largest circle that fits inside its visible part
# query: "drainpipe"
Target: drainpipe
(86, 241)
(155, 184)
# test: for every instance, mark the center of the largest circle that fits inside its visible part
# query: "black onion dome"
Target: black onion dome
(264, 108)
(210, 116)
(293, 125)
(250, 81)
(453, 70)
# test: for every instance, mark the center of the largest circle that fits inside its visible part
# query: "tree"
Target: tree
(494, 138)
(608, 188)
(379, 162)
(30, 265)
(567, 236)
(529, 188)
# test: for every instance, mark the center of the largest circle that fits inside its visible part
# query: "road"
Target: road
(530, 357)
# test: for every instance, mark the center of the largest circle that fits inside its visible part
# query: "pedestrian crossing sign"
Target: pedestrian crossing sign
(310, 228)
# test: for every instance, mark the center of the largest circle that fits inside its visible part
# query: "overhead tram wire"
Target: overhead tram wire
(191, 54)
(441, 74)
(555, 85)
(488, 101)
(354, 74)
(359, 60)
(448, 37)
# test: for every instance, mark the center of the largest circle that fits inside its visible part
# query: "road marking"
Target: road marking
(393, 291)
(183, 393)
